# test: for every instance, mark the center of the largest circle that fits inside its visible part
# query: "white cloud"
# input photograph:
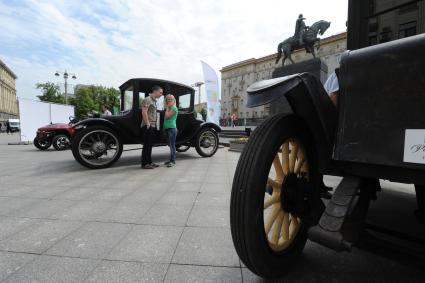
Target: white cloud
(107, 42)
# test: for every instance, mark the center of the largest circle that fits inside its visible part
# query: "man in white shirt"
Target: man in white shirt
(332, 88)
(106, 111)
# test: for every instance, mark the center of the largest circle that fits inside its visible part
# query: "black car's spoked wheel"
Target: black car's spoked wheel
(272, 195)
(61, 142)
(96, 147)
(207, 142)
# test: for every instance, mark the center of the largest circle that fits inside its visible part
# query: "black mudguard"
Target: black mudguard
(210, 125)
(101, 122)
(304, 96)
(203, 125)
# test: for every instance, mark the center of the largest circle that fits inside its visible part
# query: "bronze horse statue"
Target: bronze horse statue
(309, 39)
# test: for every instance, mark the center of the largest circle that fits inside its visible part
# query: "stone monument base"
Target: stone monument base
(316, 67)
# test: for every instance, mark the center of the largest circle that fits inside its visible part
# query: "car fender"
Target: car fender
(204, 125)
(304, 96)
(101, 122)
(216, 127)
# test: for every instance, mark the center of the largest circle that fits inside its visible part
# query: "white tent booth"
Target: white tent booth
(35, 114)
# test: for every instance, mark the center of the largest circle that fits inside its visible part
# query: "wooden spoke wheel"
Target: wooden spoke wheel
(272, 194)
(281, 226)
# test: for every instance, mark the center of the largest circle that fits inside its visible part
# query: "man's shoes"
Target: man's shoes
(171, 164)
(166, 163)
(148, 166)
(154, 165)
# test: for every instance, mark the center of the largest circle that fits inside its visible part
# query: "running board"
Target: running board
(329, 230)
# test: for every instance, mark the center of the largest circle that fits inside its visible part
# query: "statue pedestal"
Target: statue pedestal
(316, 67)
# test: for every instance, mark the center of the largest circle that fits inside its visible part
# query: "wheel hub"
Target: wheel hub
(292, 196)
(206, 143)
(99, 147)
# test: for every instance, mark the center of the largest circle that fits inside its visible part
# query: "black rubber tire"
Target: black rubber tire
(182, 148)
(76, 141)
(198, 146)
(45, 146)
(55, 140)
(246, 208)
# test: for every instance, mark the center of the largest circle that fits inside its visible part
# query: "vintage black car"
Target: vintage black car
(377, 132)
(98, 142)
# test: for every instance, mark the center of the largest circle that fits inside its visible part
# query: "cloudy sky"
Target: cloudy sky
(109, 41)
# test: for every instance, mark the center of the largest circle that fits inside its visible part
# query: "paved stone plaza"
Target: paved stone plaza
(61, 222)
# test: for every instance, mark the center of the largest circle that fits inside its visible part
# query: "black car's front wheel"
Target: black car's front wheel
(61, 142)
(206, 142)
(96, 147)
(270, 202)
(42, 144)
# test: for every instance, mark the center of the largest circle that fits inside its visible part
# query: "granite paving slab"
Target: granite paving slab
(147, 243)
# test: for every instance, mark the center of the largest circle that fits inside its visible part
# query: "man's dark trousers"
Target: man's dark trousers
(148, 136)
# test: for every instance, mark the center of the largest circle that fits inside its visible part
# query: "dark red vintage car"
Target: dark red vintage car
(57, 134)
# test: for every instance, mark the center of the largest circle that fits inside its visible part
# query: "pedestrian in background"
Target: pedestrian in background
(8, 129)
(106, 111)
(170, 127)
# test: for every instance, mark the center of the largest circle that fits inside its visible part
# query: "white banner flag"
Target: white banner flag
(212, 89)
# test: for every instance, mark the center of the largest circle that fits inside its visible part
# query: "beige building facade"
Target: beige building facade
(8, 100)
(236, 78)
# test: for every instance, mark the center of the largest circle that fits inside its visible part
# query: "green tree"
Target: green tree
(91, 98)
(51, 92)
(87, 98)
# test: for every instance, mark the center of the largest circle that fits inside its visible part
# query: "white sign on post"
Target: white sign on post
(414, 146)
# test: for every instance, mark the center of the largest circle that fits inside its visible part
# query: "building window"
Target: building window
(373, 27)
(386, 34)
(241, 114)
(247, 114)
(373, 40)
(407, 29)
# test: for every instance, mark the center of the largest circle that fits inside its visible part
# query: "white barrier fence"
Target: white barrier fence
(35, 114)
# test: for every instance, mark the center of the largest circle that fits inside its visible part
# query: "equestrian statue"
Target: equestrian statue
(304, 36)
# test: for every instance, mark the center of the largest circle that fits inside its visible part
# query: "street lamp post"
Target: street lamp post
(198, 85)
(65, 77)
